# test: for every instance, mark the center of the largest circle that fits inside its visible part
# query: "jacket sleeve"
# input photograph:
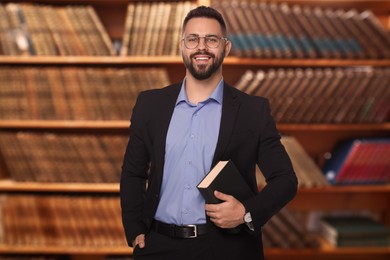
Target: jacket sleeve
(134, 175)
(275, 164)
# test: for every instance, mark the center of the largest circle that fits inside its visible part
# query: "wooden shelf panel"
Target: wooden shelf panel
(269, 252)
(328, 251)
(10, 185)
(370, 197)
(87, 250)
(334, 127)
(13, 186)
(177, 60)
(347, 189)
(6, 124)
(64, 124)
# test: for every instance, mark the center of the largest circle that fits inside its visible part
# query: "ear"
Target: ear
(180, 46)
(228, 47)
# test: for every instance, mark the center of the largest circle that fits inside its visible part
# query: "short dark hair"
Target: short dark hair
(206, 12)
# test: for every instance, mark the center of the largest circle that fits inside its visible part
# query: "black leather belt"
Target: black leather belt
(187, 231)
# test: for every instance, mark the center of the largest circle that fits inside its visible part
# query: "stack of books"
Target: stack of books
(354, 231)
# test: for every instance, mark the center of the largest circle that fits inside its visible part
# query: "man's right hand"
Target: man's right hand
(140, 241)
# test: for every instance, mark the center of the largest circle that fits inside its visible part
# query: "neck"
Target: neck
(199, 90)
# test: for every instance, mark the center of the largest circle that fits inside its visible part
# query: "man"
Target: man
(177, 134)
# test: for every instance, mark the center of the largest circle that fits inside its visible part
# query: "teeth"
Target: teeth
(202, 58)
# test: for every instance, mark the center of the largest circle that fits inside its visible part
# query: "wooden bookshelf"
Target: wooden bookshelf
(7, 185)
(317, 139)
(343, 198)
(176, 60)
(125, 250)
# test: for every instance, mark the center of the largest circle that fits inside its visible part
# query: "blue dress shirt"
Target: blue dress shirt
(190, 146)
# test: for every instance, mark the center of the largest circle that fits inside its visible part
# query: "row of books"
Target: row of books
(95, 220)
(28, 29)
(271, 30)
(258, 29)
(287, 229)
(322, 95)
(354, 231)
(50, 157)
(359, 161)
(61, 220)
(74, 93)
(146, 35)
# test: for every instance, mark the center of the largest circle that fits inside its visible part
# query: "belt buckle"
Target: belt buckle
(195, 231)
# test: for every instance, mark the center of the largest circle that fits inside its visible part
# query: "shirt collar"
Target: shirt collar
(217, 94)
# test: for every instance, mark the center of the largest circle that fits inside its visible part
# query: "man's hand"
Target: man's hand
(140, 241)
(228, 214)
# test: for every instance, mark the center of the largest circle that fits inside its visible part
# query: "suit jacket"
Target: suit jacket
(248, 136)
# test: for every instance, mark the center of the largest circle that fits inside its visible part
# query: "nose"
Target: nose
(202, 43)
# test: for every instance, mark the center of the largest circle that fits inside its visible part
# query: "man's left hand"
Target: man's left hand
(227, 214)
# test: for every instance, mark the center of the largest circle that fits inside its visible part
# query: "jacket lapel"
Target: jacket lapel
(230, 107)
(168, 101)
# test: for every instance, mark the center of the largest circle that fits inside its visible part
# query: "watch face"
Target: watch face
(248, 217)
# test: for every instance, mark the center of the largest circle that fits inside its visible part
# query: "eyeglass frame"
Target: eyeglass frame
(205, 42)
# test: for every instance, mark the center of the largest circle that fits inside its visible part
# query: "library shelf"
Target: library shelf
(124, 124)
(347, 197)
(177, 60)
(63, 124)
(79, 250)
(7, 185)
(317, 139)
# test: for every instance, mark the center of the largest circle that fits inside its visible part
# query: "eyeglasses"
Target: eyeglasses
(192, 41)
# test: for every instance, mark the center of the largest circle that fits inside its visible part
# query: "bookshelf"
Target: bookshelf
(317, 139)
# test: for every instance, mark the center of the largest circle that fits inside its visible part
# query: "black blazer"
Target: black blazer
(248, 136)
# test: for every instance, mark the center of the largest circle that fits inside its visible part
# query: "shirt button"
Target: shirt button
(192, 136)
(187, 186)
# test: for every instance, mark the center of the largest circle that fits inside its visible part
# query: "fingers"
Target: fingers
(140, 241)
(222, 196)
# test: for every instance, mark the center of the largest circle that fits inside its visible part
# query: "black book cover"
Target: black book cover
(226, 178)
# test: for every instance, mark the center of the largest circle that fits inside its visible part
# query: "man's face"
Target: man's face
(202, 62)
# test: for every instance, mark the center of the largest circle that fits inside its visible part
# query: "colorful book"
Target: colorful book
(359, 161)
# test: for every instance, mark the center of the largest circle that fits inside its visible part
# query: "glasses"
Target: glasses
(191, 42)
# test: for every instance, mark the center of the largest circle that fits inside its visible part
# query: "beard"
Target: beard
(203, 71)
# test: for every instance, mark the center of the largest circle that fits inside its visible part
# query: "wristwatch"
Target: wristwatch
(248, 221)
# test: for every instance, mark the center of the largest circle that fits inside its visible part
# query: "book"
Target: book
(308, 173)
(354, 231)
(359, 161)
(226, 178)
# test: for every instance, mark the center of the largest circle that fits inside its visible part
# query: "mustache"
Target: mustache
(202, 53)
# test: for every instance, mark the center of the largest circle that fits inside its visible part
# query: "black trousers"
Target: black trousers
(161, 247)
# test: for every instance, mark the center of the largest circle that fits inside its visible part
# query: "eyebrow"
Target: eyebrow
(207, 35)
